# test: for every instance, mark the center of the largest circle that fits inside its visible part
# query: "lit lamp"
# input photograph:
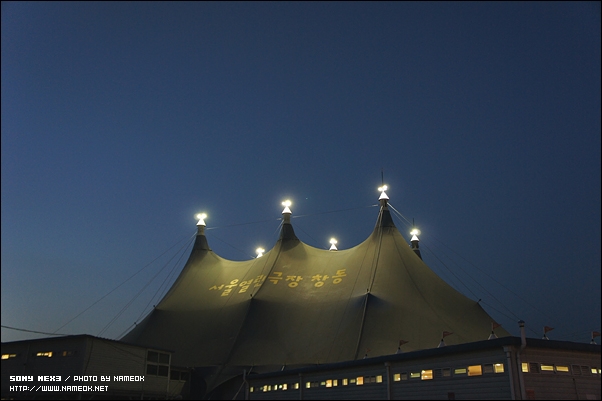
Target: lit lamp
(333, 246)
(260, 252)
(383, 195)
(200, 226)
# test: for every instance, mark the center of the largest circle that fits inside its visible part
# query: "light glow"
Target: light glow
(286, 205)
(201, 217)
(383, 188)
(415, 232)
(260, 252)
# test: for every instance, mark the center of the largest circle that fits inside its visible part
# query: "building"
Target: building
(496, 369)
(85, 367)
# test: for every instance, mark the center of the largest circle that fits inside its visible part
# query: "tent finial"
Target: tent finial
(286, 213)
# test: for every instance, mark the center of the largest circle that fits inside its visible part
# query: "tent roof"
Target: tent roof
(299, 305)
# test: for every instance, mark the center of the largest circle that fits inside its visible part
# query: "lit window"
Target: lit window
(46, 354)
(308, 385)
(595, 371)
(296, 386)
(547, 368)
(415, 375)
(360, 381)
(335, 382)
(396, 377)
(379, 379)
(460, 371)
(351, 381)
(564, 369)
(328, 383)
(345, 382)
(250, 389)
(285, 386)
(525, 367)
(426, 374)
(8, 356)
(475, 370)
(265, 388)
(322, 383)
(498, 367)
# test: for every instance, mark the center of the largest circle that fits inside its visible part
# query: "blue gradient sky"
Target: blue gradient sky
(121, 121)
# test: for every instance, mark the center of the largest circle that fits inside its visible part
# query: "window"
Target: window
(525, 367)
(595, 371)
(8, 356)
(460, 371)
(296, 386)
(397, 377)
(328, 383)
(475, 370)
(67, 353)
(562, 369)
(379, 379)
(488, 368)
(45, 354)
(283, 386)
(404, 376)
(415, 375)
(576, 369)
(157, 363)
(547, 368)
(533, 367)
(426, 374)
(498, 367)
(360, 381)
(345, 382)
(446, 372)
(308, 385)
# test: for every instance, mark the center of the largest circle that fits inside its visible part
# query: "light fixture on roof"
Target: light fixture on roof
(415, 233)
(333, 243)
(286, 205)
(201, 217)
(383, 195)
(260, 252)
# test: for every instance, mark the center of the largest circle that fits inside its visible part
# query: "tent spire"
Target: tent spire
(383, 198)
(201, 241)
(287, 229)
(415, 241)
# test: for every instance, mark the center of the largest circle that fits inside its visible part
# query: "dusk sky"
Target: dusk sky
(121, 121)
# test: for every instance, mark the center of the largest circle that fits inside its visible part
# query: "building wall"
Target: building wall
(91, 358)
(504, 372)
(428, 379)
(560, 375)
